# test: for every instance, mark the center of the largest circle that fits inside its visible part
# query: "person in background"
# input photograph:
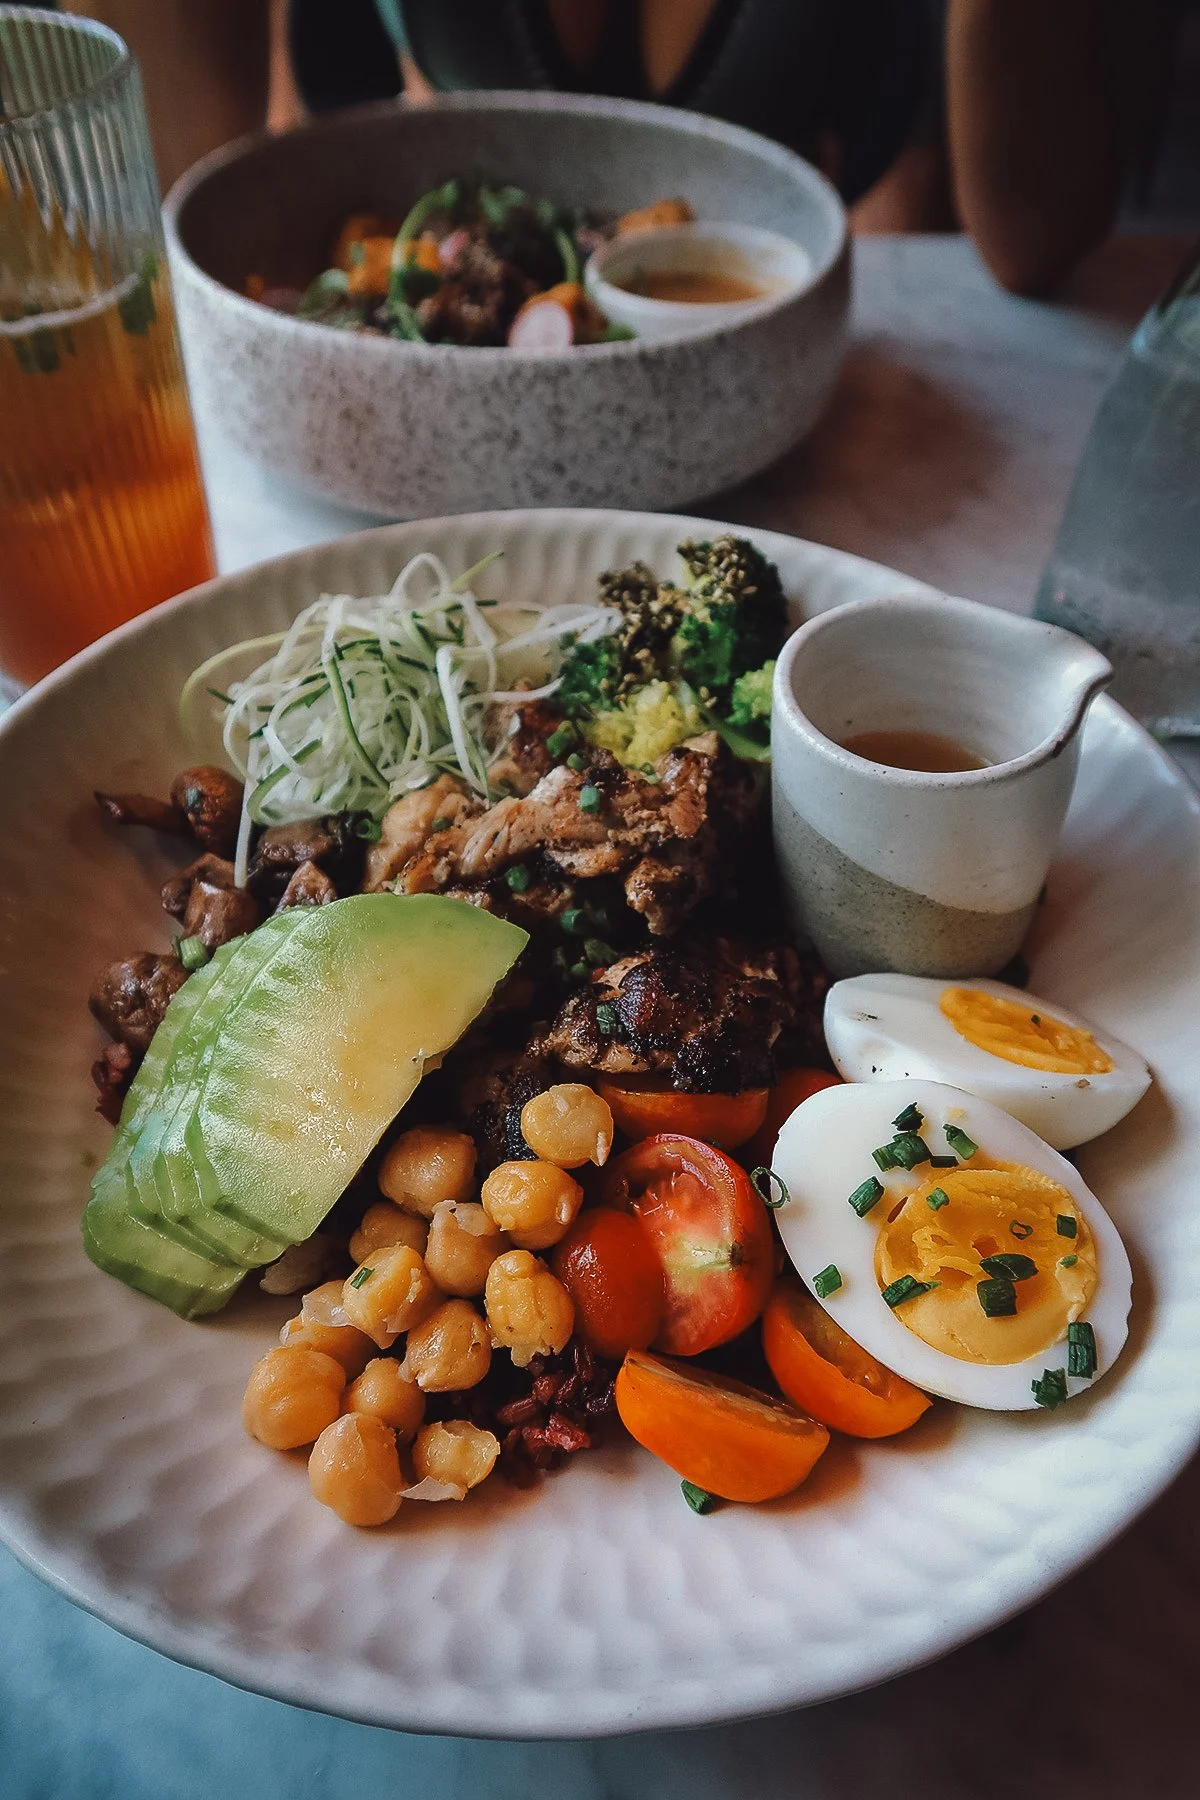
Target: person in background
(1018, 119)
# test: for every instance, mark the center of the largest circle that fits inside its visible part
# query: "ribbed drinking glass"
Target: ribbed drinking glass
(102, 511)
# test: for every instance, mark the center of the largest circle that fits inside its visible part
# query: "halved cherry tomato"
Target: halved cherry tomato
(609, 1267)
(793, 1087)
(823, 1370)
(709, 1230)
(720, 1434)
(642, 1107)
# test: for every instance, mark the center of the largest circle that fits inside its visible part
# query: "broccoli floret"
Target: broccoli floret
(750, 699)
(601, 675)
(735, 615)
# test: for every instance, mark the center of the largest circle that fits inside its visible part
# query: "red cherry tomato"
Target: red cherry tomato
(608, 1265)
(710, 1231)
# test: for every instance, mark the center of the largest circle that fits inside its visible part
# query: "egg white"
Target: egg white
(885, 1027)
(824, 1153)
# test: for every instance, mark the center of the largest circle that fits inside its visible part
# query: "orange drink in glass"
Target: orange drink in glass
(102, 511)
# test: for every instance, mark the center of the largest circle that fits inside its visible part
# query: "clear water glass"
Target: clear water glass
(1125, 570)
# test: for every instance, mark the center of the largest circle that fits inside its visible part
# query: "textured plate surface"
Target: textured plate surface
(599, 1603)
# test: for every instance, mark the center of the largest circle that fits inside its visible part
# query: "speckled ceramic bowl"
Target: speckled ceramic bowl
(406, 429)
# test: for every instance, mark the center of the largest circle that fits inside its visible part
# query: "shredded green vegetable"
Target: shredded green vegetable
(363, 700)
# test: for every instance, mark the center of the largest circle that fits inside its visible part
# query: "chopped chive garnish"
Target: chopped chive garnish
(960, 1142)
(1067, 1262)
(598, 953)
(589, 798)
(1065, 1225)
(225, 699)
(909, 1149)
(442, 824)
(560, 740)
(1081, 1349)
(1051, 1390)
(911, 1119)
(1020, 1229)
(363, 1274)
(517, 878)
(865, 1197)
(936, 1198)
(580, 971)
(608, 1020)
(573, 921)
(1035, 1019)
(1010, 1264)
(827, 1281)
(943, 1162)
(997, 1296)
(193, 953)
(576, 762)
(651, 773)
(762, 1177)
(369, 830)
(884, 1159)
(905, 1287)
(698, 1498)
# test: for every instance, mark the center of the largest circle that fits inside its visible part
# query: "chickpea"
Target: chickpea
(293, 1393)
(323, 1305)
(534, 1202)
(383, 1224)
(427, 1165)
(355, 1469)
(455, 1452)
(529, 1310)
(386, 1392)
(569, 1124)
(463, 1245)
(390, 1294)
(450, 1350)
(347, 1345)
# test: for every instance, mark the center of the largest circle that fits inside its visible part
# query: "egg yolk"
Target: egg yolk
(1023, 1034)
(988, 1212)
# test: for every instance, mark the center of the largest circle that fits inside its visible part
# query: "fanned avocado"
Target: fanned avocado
(296, 1049)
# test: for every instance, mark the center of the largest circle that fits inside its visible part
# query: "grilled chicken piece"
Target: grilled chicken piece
(522, 726)
(409, 822)
(130, 997)
(664, 837)
(706, 1016)
(205, 804)
(177, 890)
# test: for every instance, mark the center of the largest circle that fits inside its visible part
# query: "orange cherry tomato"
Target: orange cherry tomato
(608, 1265)
(716, 1432)
(642, 1107)
(793, 1087)
(709, 1230)
(824, 1371)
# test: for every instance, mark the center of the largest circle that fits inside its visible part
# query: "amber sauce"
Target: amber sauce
(925, 750)
(695, 288)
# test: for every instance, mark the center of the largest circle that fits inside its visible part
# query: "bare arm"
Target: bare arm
(204, 68)
(1046, 99)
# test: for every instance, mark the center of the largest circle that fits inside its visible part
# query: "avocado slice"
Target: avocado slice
(330, 1041)
(298, 1046)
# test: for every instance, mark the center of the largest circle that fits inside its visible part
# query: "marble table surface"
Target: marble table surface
(947, 452)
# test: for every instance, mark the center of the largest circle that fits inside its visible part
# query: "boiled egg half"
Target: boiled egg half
(1046, 1066)
(951, 1243)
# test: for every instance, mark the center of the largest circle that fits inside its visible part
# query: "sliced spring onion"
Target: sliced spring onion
(698, 1498)
(884, 1159)
(997, 1296)
(1020, 1229)
(1010, 1265)
(762, 1177)
(864, 1197)
(193, 953)
(360, 1276)
(911, 1119)
(1065, 1225)
(1067, 1262)
(827, 1281)
(960, 1142)
(943, 1162)
(589, 798)
(608, 1019)
(573, 921)
(1081, 1349)
(936, 1198)
(517, 879)
(908, 1149)
(363, 700)
(576, 762)
(905, 1287)
(1050, 1390)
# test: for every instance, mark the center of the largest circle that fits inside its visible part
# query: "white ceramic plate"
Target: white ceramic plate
(598, 1603)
